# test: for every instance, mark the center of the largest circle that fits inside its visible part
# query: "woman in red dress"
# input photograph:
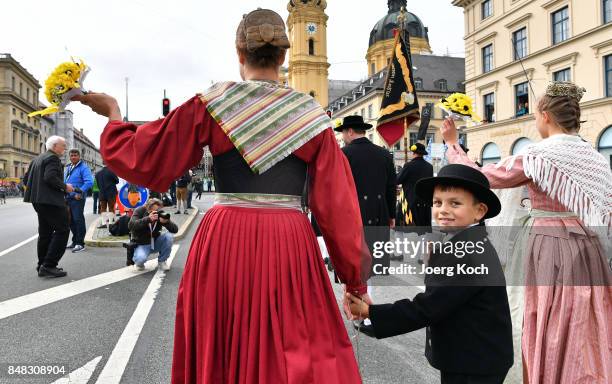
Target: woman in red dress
(255, 304)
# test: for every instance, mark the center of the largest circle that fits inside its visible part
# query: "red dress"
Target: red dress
(255, 304)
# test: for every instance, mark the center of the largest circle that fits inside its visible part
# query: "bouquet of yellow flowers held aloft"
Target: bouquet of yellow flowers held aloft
(459, 106)
(65, 82)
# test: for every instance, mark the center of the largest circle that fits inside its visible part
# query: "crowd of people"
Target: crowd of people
(255, 303)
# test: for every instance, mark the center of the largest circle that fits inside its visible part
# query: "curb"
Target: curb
(89, 241)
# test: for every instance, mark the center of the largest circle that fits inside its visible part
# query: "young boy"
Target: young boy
(465, 310)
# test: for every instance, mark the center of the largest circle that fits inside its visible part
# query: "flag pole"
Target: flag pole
(405, 140)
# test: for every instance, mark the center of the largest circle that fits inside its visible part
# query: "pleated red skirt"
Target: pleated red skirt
(255, 304)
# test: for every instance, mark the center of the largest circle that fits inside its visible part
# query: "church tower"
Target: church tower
(382, 39)
(307, 25)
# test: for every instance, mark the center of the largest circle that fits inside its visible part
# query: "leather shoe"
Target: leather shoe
(51, 272)
(367, 330)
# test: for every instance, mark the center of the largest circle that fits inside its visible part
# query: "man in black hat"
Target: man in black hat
(419, 211)
(374, 174)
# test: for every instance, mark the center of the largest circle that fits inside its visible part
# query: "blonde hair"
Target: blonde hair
(563, 110)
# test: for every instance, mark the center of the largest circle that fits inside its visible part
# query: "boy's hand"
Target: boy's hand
(358, 306)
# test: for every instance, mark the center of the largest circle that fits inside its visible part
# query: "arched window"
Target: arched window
(604, 144)
(311, 47)
(490, 154)
(520, 144)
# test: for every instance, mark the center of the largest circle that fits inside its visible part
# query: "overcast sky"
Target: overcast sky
(182, 45)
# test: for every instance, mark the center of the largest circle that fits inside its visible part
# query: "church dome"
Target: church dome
(383, 30)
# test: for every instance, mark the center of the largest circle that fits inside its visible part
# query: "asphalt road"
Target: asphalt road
(104, 325)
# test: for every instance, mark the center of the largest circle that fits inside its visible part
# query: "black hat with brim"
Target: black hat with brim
(464, 177)
(419, 149)
(354, 121)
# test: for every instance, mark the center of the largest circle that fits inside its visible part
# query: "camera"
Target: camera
(163, 215)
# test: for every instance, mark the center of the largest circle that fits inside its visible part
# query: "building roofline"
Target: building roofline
(7, 57)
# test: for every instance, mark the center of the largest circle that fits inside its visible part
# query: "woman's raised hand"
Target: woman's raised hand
(449, 131)
(100, 103)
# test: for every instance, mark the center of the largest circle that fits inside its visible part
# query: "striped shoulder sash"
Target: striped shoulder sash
(266, 122)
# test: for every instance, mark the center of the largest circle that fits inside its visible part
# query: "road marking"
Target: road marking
(14, 247)
(38, 299)
(117, 362)
(81, 375)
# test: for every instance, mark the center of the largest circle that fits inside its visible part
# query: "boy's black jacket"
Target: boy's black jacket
(467, 317)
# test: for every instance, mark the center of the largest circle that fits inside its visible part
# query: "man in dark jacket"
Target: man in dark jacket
(107, 183)
(374, 175)
(46, 190)
(145, 229)
(419, 211)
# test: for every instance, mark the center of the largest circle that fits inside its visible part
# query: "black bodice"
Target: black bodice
(233, 175)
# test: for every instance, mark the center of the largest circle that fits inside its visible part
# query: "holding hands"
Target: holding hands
(356, 308)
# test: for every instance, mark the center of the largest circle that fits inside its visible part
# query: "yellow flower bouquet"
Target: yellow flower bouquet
(65, 82)
(459, 107)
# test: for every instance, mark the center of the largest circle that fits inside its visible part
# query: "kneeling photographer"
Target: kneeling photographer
(145, 230)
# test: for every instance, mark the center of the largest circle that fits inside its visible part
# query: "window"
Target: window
(311, 47)
(487, 58)
(22, 143)
(489, 107)
(519, 145)
(372, 68)
(607, 11)
(28, 94)
(608, 67)
(522, 99)
(20, 88)
(604, 144)
(442, 85)
(370, 111)
(418, 83)
(15, 138)
(14, 112)
(519, 38)
(490, 154)
(562, 75)
(560, 25)
(13, 83)
(312, 94)
(362, 112)
(487, 8)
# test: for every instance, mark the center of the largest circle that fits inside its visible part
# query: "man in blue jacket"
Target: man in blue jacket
(77, 174)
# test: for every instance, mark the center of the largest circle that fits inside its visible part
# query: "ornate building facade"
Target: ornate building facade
(567, 40)
(435, 77)
(20, 138)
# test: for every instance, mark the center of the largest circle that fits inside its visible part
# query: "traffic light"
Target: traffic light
(165, 106)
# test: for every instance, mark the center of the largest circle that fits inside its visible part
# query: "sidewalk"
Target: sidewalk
(100, 237)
